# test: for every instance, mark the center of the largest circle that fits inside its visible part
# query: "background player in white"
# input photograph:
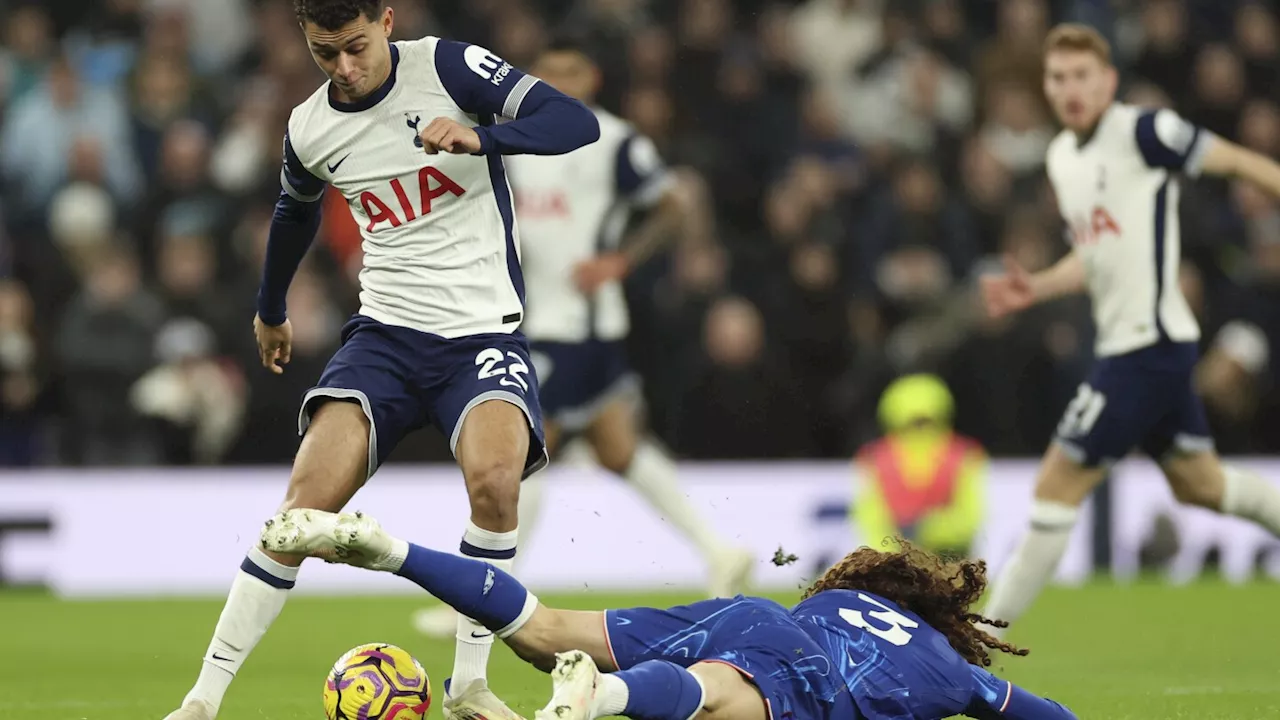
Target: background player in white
(410, 133)
(573, 211)
(1114, 171)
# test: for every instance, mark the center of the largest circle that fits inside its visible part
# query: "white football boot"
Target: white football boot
(438, 623)
(730, 573)
(475, 702)
(192, 710)
(351, 538)
(574, 682)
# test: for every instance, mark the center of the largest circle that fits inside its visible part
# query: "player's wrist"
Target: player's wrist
(271, 313)
(486, 140)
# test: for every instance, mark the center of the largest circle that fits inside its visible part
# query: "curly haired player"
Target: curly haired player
(880, 636)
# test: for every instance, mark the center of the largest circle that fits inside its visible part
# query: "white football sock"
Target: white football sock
(475, 641)
(257, 596)
(653, 474)
(612, 695)
(530, 507)
(1248, 496)
(1034, 562)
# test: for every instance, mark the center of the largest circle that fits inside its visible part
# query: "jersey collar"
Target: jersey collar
(374, 97)
(1082, 141)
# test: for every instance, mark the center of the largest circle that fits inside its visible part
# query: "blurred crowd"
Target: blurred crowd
(865, 159)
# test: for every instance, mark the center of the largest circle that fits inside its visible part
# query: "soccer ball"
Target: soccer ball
(377, 682)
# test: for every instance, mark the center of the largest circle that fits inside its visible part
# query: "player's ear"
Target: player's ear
(388, 21)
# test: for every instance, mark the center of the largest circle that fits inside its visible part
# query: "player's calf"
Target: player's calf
(1202, 479)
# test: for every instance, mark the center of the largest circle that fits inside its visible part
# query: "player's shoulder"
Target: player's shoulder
(1059, 149)
(309, 120)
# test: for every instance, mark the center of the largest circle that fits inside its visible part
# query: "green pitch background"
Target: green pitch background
(1135, 652)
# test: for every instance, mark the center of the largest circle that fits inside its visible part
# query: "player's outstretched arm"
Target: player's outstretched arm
(1227, 159)
(1016, 289)
(998, 699)
(540, 119)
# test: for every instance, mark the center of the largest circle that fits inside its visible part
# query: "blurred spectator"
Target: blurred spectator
(105, 344)
(49, 123)
(23, 378)
(1166, 56)
(743, 402)
(1016, 54)
(28, 48)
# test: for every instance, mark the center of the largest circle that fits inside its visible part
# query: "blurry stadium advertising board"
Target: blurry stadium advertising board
(184, 532)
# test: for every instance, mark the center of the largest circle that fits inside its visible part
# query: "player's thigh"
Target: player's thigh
(551, 433)
(359, 409)
(1196, 478)
(371, 372)
(729, 695)
(614, 433)
(486, 400)
(1063, 479)
(550, 631)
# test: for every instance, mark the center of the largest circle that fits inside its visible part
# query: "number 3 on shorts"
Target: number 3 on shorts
(512, 374)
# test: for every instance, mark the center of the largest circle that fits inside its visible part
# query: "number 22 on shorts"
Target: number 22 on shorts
(511, 375)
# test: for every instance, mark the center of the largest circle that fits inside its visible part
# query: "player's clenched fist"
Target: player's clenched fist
(1009, 292)
(275, 343)
(451, 136)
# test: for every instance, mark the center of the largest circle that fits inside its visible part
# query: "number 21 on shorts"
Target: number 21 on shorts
(511, 374)
(1082, 412)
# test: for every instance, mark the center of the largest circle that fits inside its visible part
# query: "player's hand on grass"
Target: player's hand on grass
(275, 344)
(1008, 292)
(589, 275)
(451, 136)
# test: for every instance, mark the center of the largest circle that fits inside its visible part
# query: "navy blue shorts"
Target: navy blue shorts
(578, 379)
(1144, 399)
(405, 379)
(758, 637)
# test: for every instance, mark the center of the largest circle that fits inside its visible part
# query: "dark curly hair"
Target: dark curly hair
(939, 591)
(333, 14)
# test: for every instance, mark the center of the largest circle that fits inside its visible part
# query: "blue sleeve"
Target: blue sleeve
(641, 174)
(293, 226)
(540, 120)
(998, 699)
(1168, 141)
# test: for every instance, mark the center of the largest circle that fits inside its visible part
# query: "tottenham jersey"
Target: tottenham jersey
(571, 208)
(441, 251)
(1118, 194)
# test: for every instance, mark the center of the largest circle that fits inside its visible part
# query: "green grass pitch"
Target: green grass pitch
(1134, 652)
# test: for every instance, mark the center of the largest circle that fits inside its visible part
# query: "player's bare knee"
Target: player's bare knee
(1065, 479)
(538, 640)
(493, 487)
(616, 457)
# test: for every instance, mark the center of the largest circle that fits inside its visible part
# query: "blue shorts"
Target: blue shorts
(405, 380)
(757, 637)
(578, 379)
(1144, 399)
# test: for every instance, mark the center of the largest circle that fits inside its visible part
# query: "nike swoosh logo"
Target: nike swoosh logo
(216, 656)
(334, 168)
(475, 634)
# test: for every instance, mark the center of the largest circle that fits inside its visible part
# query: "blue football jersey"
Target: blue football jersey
(897, 667)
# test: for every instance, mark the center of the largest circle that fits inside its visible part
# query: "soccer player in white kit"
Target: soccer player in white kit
(412, 134)
(1115, 170)
(573, 211)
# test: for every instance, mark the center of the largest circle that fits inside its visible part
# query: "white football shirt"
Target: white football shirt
(1117, 190)
(441, 249)
(571, 208)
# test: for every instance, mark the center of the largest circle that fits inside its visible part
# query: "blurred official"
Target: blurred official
(921, 480)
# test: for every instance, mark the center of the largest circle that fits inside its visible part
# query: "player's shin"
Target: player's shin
(652, 690)
(1249, 496)
(476, 588)
(1034, 561)
(653, 474)
(257, 596)
(475, 636)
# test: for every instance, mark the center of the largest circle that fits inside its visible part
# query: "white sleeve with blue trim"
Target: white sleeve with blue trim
(1168, 141)
(642, 177)
(296, 180)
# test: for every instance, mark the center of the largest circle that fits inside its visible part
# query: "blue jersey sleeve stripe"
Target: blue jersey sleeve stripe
(1008, 695)
(295, 193)
(1154, 152)
(295, 179)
